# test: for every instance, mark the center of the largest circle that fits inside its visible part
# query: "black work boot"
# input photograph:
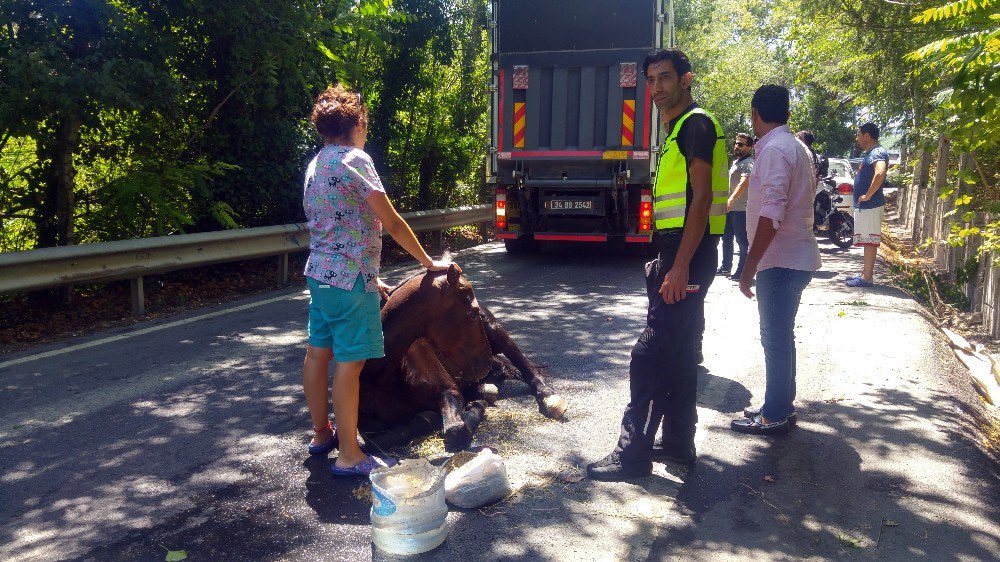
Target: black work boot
(679, 454)
(613, 468)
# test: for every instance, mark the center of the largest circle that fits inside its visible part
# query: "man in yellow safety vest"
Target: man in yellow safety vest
(689, 209)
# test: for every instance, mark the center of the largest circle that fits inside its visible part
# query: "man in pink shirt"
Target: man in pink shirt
(783, 253)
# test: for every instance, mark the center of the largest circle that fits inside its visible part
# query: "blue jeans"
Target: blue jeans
(736, 227)
(779, 291)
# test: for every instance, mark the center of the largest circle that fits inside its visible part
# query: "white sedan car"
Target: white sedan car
(843, 175)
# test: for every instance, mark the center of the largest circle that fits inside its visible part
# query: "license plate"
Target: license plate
(570, 205)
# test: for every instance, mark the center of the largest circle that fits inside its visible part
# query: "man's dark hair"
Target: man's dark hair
(772, 103)
(807, 137)
(747, 138)
(870, 129)
(676, 56)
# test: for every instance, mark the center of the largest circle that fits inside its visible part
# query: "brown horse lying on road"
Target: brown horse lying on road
(440, 346)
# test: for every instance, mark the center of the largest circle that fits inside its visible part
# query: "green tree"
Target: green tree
(150, 117)
(734, 47)
(428, 97)
(61, 65)
(963, 62)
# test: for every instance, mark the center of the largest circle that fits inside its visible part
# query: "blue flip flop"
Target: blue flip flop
(363, 468)
(858, 282)
(325, 447)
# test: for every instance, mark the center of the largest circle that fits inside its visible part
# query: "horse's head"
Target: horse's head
(441, 307)
(448, 310)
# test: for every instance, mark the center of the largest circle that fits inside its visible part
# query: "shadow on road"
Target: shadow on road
(242, 410)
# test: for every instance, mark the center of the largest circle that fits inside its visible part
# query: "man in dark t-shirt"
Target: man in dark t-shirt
(869, 202)
(663, 369)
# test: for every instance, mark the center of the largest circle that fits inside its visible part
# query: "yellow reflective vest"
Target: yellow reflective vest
(670, 189)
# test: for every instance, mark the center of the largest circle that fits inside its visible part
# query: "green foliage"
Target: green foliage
(734, 47)
(966, 58)
(962, 59)
(737, 46)
(915, 281)
(174, 555)
(17, 159)
(154, 199)
(429, 100)
(966, 273)
(154, 118)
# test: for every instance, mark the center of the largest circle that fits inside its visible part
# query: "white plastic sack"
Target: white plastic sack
(481, 481)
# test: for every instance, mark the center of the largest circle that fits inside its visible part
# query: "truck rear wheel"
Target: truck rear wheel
(522, 245)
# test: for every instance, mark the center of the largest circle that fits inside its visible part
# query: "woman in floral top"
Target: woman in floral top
(345, 207)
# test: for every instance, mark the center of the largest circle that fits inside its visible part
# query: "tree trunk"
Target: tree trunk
(56, 225)
(427, 167)
(69, 142)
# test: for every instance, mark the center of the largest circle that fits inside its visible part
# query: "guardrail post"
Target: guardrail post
(283, 269)
(437, 241)
(138, 298)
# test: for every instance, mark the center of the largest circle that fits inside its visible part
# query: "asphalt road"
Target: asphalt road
(189, 434)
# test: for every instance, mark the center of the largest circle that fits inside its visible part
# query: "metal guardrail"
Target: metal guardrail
(132, 259)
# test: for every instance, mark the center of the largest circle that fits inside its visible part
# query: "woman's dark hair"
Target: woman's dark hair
(338, 111)
(676, 56)
(772, 103)
(747, 138)
(807, 137)
(870, 129)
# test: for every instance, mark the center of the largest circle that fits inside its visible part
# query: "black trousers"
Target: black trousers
(663, 372)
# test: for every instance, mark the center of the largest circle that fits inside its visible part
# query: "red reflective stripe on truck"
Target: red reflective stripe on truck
(515, 154)
(507, 235)
(519, 124)
(572, 237)
(628, 122)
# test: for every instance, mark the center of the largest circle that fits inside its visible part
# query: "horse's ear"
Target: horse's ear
(453, 274)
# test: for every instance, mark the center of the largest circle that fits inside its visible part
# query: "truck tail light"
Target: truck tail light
(845, 189)
(501, 208)
(646, 211)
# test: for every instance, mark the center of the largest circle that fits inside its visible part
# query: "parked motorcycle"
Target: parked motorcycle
(836, 223)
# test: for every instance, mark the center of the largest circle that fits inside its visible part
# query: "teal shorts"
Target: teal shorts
(348, 322)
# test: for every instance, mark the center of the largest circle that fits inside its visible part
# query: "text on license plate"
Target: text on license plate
(565, 205)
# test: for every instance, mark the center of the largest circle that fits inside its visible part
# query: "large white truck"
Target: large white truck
(575, 136)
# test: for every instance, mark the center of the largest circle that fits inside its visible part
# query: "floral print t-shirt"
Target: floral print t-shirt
(345, 236)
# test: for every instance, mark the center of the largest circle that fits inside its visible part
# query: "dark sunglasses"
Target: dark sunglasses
(740, 144)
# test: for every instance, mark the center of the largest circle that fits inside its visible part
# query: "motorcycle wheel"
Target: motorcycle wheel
(842, 233)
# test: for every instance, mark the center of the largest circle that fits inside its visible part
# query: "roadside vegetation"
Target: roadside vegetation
(928, 72)
(129, 118)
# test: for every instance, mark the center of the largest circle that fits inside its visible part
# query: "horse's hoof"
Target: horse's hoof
(489, 392)
(554, 406)
(457, 437)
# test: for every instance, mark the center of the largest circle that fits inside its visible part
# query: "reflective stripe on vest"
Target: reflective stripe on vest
(670, 189)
